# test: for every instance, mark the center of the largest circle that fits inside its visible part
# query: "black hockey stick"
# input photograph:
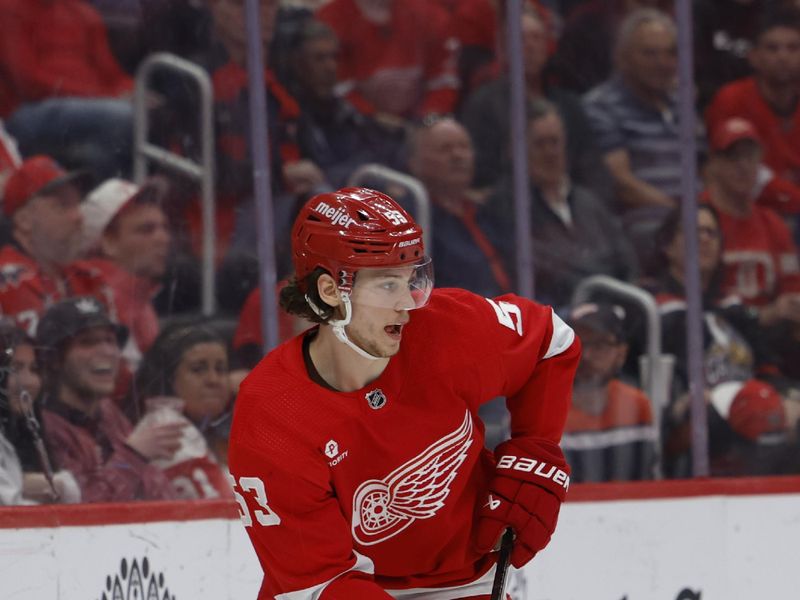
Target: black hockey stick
(501, 572)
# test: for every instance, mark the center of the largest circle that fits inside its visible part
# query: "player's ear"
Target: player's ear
(328, 291)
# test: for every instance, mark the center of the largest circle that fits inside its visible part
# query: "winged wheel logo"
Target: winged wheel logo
(415, 490)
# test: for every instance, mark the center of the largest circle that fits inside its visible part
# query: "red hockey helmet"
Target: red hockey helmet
(351, 229)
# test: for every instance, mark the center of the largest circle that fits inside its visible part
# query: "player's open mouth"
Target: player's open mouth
(394, 331)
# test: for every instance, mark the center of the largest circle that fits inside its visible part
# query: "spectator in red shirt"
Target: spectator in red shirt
(73, 96)
(87, 433)
(38, 267)
(770, 99)
(760, 260)
(398, 57)
(127, 237)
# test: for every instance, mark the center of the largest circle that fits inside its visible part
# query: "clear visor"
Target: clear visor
(399, 288)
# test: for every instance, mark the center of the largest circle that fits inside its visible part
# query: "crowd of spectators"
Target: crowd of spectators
(113, 387)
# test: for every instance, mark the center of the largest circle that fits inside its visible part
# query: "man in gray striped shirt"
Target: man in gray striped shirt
(635, 121)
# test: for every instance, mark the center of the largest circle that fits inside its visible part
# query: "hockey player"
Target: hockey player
(356, 453)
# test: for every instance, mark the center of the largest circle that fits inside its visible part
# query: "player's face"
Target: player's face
(91, 362)
(776, 57)
(140, 241)
(24, 375)
(56, 222)
(201, 381)
(381, 301)
(377, 331)
(397, 288)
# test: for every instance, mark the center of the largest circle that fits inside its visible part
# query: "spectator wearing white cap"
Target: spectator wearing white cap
(126, 236)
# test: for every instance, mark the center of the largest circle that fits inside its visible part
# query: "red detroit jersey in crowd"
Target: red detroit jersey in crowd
(26, 292)
(759, 257)
(384, 483)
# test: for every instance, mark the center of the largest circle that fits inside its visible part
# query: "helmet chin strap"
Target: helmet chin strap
(338, 325)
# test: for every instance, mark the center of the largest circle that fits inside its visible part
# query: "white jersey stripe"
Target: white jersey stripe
(563, 336)
(363, 564)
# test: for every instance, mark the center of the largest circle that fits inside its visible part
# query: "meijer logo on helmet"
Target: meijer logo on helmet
(336, 215)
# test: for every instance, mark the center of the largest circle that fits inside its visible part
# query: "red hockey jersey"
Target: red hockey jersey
(193, 470)
(26, 292)
(760, 259)
(345, 495)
